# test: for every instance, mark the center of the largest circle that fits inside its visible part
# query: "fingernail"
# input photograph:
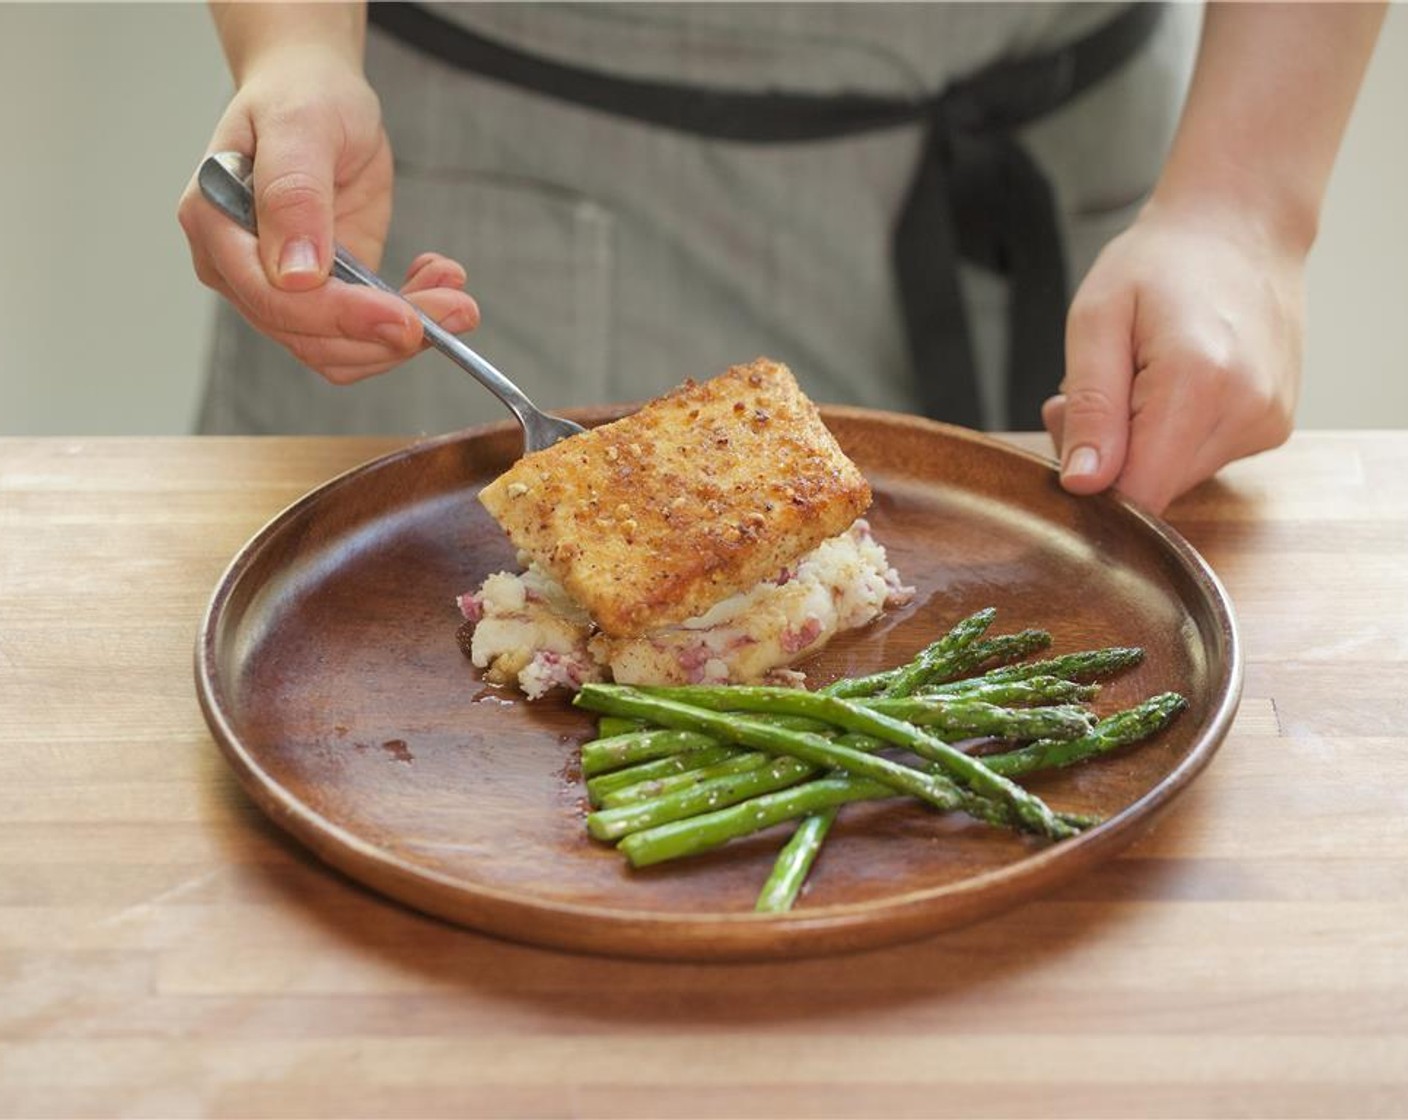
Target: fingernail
(298, 256)
(1081, 462)
(393, 334)
(458, 321)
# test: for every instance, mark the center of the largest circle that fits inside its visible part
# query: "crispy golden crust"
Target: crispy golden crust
(704, 492)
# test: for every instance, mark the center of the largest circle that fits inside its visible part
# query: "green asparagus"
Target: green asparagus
(1087, 665)
(779, 773)
(602, 755)
(681, 770)
(805, 746)
(968, 719)
(608, 726)
(1028, 692)
(710, 830)
(789, 872)
(692, 835)
(740, 761)
(1115, 731)
(932, 656)
(663, 707)
(659, 769)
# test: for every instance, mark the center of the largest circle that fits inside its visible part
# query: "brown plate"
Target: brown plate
(329, 673)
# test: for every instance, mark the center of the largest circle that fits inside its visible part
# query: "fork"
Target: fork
(225, 178)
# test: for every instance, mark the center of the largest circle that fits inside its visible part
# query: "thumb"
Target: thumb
(293, 197)
(1090, 419)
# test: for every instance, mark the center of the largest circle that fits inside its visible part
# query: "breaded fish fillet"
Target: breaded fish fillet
(704, 492)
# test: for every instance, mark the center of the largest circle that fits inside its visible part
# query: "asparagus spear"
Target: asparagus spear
(740, 761)
(806, 746)
(1115, 731)
(960, 637)
(950, 717)
(796, 858)
(1001, 649)
(690, 836)
(958, 652)
(1029, 810)
(794, 862)
(607, 726)
(674, 817)
(659, 769)
(791, 869)
(678, 797)
(1030, 691)
(602, 755)
(1090, 664)
(964, 718)
(1118, 730)
(930, 668)
(1046, 682)
(779, 773)
(710, 830)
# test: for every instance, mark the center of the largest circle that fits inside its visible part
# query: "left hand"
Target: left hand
(1183, 353)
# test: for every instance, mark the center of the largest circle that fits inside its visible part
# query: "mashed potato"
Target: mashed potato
(528, 632)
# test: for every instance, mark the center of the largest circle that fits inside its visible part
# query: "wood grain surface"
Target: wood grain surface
(165, 951)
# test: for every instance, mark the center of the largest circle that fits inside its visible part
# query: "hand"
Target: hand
(322, 173)
(1183, 353)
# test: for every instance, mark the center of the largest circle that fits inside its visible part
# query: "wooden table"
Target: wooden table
(164, 951)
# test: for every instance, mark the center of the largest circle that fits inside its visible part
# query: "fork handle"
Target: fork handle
(224, 180)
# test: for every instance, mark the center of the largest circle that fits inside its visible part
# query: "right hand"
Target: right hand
(1183, 353)
(322, 174)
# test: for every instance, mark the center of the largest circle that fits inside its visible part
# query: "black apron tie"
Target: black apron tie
(976, 193)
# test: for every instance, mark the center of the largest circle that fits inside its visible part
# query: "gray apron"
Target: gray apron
(613, 259)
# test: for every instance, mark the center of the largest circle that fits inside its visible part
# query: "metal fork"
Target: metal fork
(225, 179)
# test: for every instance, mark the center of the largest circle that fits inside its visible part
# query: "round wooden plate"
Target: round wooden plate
(328, 670)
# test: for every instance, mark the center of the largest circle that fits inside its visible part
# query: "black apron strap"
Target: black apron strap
(976, 193)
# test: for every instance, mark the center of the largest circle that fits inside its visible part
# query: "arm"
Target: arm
(1183, 343)
(322, 173)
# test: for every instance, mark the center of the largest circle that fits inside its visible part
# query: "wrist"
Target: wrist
(1270, 97)
(1274, 216)
(260, 37)
(310, 67)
